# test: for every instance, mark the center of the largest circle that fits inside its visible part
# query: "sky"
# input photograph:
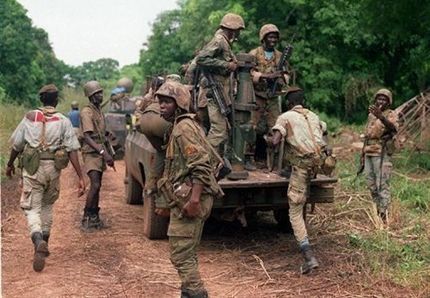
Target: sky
(87, 30)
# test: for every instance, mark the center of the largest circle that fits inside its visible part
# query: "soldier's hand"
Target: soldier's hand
(376, 111)
(82, 186)
(108, 159)
(10, 171)
(192, 209)
(232, 66)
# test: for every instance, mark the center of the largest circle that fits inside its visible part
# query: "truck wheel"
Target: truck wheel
(154, 226)
(133, 191)
(283, 219)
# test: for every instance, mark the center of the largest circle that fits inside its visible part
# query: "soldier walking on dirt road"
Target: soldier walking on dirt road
(303, 133)
(46, 141)
(94, 152)
(216, 59)
(381, 127)
(188, 184)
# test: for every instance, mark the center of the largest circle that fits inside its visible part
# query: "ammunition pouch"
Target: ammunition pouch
(61, 159)
(30, 159)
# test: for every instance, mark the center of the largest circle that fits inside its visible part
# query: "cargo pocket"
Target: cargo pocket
(298, 187)
(182, 227)
(25, 200)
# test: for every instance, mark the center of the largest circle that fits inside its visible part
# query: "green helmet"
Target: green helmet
(74, 104)
(266, 29)
(232, 21)
(386, 93)
(92, 87)
(178, 92)
(126, 83)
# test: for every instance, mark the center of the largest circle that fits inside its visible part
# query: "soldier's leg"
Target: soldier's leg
(31, 203)
(51, 195)
(184, 237)
(91, 218)
(371, 179)
(218, 132)
(384, 192)
(298, 191)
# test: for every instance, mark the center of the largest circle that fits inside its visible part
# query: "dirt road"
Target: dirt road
(120, 262)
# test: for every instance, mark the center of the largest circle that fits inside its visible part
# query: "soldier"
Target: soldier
(94, 153)
(264, 76)
(46, 140)
(188, 184)
(382, 125)
(74, 116)
(120, 96)
(303, 134)
(217, 59)
(149, 97)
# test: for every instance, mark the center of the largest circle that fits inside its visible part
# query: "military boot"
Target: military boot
(40, 251)
(310, 260)
(87, 223)
(185, 293)
(45, 236)
(95, 219)
(250, 163)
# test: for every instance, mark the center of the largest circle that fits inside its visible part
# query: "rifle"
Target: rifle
(195, 90)
(286, 53)
(217, 95)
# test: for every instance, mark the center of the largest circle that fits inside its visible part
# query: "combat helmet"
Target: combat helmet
(125, 83)
(92, 87)
(232, 21)
(386, 93)
(266, 29)
(50, 88)
(173, 77)
(178, 92)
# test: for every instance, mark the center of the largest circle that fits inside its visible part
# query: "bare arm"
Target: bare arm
(10, 168)
(73, 156)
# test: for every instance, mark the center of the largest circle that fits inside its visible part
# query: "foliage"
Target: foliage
(343, 52)
(100, 70)
(27, 58)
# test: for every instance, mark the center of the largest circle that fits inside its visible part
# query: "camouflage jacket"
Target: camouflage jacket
(263, 66)
(375, 129)
(214, 58)
(188, 157)
(92, 121)
(58, 131)
(303, 132)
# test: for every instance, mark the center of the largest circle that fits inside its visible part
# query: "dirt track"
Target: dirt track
(120, 262)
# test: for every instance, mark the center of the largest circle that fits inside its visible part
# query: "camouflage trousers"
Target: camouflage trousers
(39, 193)
(266, 114)
(298, 192)
(184, 237)
(218, 132)
(377, 182)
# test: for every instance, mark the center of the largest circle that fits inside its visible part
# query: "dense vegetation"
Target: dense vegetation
(344, 49)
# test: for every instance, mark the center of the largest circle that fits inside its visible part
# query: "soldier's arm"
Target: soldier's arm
(279, 130)
(18, 142)
(207, 57)
(390, 126)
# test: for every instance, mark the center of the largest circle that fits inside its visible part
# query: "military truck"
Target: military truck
(249, 192)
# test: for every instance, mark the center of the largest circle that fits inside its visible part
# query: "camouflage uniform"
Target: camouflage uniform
(377, 182)
(214, 58)
(93, 121)
(41, 190)
(303, 133)
(268, 108)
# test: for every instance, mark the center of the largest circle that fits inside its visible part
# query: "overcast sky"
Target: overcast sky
(87, 30)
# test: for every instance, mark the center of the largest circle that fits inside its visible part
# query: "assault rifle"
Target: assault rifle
(286, 53)
(217, 95)
(195, 90)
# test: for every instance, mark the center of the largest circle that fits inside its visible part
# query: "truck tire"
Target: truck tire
(133, 191)
(283, 219)
(154, 226)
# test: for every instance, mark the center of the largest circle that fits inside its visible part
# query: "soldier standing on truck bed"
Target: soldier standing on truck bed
(303, 134)
(381, 127)
(95, 153)
(217, 60)
(264, 75)
(46, 140)
(188, 184)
